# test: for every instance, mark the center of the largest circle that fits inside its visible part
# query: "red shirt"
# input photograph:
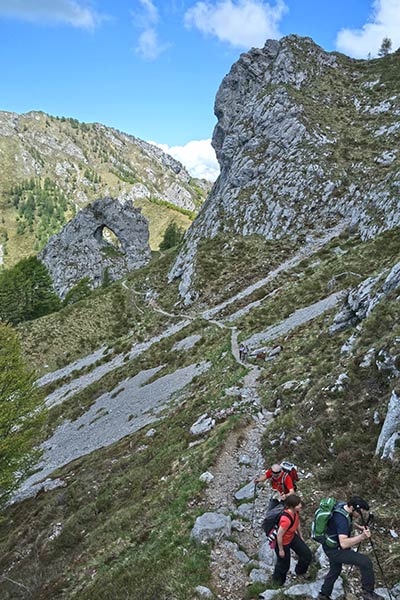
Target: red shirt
(277, 481)
(290, 529)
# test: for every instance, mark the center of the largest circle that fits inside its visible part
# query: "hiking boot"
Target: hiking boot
(304, 578)
(323, 597)
(371, 596)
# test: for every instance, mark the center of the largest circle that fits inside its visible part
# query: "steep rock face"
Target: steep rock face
(305, 139)
(80, 250)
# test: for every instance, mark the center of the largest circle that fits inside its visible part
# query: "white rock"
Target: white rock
(206, 477)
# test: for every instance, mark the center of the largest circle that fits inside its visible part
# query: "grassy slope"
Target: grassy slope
(127, 510)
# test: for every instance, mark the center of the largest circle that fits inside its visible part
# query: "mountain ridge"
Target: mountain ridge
(56, 165)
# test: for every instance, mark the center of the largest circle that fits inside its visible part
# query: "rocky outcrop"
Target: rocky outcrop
(81, 250)
(390, 432)
(362, 300)
(300, 138)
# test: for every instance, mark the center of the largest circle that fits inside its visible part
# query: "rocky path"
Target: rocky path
(238, 463)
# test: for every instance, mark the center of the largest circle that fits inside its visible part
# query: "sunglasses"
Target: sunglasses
(276, 473)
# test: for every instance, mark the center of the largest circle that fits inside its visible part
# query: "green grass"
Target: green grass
(226, 264)
(105, 316)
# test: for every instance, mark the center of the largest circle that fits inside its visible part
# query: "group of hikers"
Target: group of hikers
(243, 352)
(337, 541)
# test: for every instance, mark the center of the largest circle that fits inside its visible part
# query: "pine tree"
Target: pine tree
(173, 235)
(386, 47)
(21, 414)
(26, 292)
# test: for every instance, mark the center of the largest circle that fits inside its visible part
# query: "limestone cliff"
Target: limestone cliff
(82, 250)
(305, 139)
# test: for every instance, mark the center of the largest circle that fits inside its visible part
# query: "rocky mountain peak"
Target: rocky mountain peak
(306, 140)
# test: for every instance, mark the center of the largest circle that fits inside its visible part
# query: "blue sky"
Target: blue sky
(152, 67)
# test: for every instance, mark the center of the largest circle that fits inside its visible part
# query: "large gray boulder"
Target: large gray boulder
(211, 526)
(246, 492)
(80, 249)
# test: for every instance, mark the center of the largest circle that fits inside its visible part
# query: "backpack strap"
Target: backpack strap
(339, 508)
(291, 519)
(284, 484)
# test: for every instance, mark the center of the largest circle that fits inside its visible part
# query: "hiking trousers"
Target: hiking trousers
(337, 558)
(283, 564)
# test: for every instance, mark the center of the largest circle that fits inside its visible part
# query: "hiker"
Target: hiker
(290, 538)
(339, 530)
(245, 352)
(241, 351)
(281, 482)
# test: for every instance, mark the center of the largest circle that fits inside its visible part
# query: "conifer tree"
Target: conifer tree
(173, 235)
(21, 414)
(386, 47)
(26, 292)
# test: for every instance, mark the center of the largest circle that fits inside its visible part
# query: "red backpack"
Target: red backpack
(290, 469)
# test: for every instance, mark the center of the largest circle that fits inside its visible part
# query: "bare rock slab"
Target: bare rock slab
(211, 526)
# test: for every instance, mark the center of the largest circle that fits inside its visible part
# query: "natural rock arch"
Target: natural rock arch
(80, 249)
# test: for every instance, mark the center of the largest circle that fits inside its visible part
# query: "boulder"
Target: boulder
(211, 526)
(202, 425)
(246, 492)
(244, 511)
(206, 477)
(361, 300)
(204, 592)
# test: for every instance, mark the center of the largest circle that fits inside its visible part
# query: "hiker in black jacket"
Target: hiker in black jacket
(339, 551)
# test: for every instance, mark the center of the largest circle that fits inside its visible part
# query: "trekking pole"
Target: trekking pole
(365, 524)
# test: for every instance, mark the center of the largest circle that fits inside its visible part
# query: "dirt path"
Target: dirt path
(228, 577)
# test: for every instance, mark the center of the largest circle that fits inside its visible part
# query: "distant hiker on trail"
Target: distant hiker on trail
(337, 546)
(290, 538)
(281, 482)
(245, 352)
(242, 351)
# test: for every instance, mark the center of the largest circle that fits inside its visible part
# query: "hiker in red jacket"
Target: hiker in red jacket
(290, 538)
(281, 483)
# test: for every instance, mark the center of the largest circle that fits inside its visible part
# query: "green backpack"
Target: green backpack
(324, 512)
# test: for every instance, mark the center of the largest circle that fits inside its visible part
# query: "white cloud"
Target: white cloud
(197, 156)
(384, 22)
(148, 46)
(68, 12)
(241, 23)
